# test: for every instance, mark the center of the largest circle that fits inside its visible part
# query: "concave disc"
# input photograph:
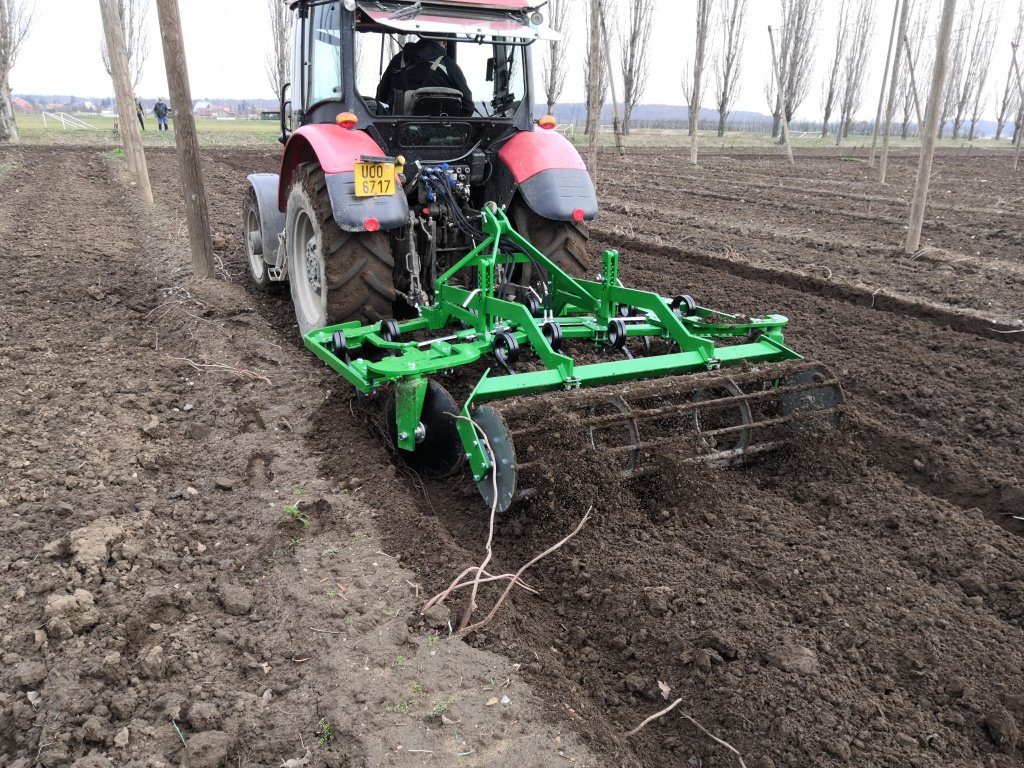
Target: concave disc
(502, 476)
(439, 454)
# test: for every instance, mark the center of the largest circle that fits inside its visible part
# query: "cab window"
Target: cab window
(325, 53)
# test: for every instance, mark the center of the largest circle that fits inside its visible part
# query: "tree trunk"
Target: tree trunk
(999, 129)
(722, 117)
(8, 126)
(776, 125)
(594, 88)
(197, 212)
(824, 127)
(905, 130)
(928, 132)
(627, 118)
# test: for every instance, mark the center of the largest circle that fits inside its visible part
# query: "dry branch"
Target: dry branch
(220, 367)
(703, 730)
(490, 616)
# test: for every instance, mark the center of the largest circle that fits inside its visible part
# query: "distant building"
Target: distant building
(21, 107)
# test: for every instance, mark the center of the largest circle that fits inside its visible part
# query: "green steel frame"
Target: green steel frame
(474, 321)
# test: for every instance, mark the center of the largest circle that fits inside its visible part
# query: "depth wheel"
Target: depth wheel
(255, 248)
(564, 242)
(439, 453)
(335, 276)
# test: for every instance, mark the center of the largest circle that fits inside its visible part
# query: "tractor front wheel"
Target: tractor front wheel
(255, 248)
(335, 276)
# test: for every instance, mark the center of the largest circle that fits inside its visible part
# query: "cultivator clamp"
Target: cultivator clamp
(629, 373)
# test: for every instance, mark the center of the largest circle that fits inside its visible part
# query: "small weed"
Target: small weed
(293, 542)
(440, 708)
(400, 661)
(402, 708)
(298, 490)
(296, 514)
(433, 640)
(357, 535)
(332, 593)
(324, 732)
(117, 153)
(332, 552)
(417, 688)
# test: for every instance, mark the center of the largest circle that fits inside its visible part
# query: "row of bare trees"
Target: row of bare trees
(634, 38)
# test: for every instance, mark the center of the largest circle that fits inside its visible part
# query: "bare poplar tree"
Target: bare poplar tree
(957, 64)
(830, 94)
(985, 45)
(279, 59)
(703, 27)
(727, 58)
(855, 65)
(135, 25)
(908, 101)
(596, 71)
(15, 22)
(593, 81)
(975, 70)
(795, 58)
(1010, 102)
(634, 42)
(553, 66)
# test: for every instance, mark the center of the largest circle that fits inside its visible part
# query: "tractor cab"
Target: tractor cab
(424, 78)
(402, 122)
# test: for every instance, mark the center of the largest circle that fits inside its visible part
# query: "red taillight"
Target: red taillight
(578, 214)
(371, 224)
(547, 122)
(347, 120)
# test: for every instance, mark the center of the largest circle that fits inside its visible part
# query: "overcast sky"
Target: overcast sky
(227, 42)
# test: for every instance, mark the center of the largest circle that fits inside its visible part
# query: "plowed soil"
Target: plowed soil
(856, 600)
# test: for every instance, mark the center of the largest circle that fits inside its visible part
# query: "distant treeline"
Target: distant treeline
(675, 117)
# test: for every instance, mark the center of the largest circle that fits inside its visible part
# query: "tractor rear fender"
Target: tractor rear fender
(271, 217)
(550, 175)
(337, 150)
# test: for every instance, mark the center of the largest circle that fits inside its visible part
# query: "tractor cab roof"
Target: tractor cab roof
(516, 20)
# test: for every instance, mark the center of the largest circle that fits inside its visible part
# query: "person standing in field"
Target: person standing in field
(140, 112)
(160, 110)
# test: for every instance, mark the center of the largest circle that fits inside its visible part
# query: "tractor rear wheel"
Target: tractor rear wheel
(335, 276)
(564, 242)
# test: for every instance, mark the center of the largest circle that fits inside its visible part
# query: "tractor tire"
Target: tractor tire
(255, 248)
(564, 242)
(335, 276)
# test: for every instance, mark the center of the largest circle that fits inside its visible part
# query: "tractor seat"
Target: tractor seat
(435, 102)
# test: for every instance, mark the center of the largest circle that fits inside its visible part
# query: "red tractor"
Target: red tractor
(390, 155)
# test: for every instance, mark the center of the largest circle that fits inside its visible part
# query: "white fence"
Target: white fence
(66, 121)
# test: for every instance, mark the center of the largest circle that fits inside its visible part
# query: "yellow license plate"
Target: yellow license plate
(375, 179)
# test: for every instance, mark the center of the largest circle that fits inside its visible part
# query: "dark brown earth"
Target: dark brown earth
(856, 601)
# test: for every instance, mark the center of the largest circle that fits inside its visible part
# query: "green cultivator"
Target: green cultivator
(637, 375)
